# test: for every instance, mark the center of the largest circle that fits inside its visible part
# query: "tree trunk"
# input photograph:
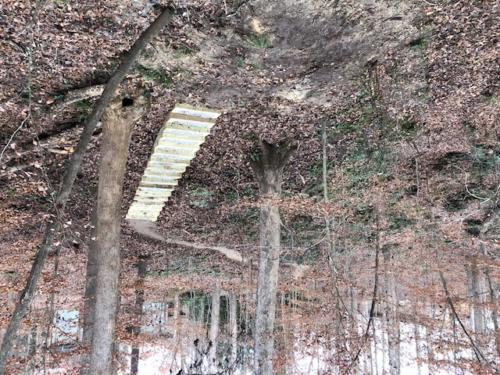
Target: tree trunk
(177, 307)
(392, 319)
(233, 327)
(213, 335)
(418, 347)
(117, 127)
(139, 303)
(268, 170)
(90, 285)
(475, 292)
(494, 306)
(68, 180)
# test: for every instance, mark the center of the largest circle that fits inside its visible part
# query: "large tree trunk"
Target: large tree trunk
(268, 170)
(117, 127)
(68, 180)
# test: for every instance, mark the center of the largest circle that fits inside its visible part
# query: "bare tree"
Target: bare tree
(68, 180)
(117, 127)
(268, 169)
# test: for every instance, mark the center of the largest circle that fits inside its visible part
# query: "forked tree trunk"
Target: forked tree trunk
(68, 180)
(268, 170)
(117, 127)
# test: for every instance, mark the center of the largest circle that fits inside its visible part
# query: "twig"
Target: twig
(28, 116)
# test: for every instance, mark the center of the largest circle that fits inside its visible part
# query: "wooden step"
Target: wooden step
(176, 145)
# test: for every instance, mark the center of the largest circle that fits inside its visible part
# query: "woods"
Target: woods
(248, 187)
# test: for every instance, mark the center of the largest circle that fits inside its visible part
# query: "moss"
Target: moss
(408, 126)
(450, 158)
(158, 75)
(259, 41)
(419, 43)
(239, 62)
(83, 107)
(456, 201)
(364, 211)
(485, 161)
(183, 50)
(181, 74)
(473, 227)
(399, 221)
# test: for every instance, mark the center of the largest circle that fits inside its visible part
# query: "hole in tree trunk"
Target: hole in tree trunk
(127, 102)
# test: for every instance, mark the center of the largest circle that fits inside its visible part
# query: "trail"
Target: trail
(148, 229)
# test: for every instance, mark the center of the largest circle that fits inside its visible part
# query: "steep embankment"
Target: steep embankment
(407, 89)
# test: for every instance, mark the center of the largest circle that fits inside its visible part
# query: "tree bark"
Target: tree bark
(268, 170)
(68, 180)
(117, 126)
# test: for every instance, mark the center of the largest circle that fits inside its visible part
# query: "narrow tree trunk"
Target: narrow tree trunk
(285, 328)
(375, 345)
(90, 288)
(340, 332)
(475, 292)
(117, 127)
(32, 345)
(494, 306)
(418, 348)
(139, 303)
(214, 328)
(429, 340)
(176, 315)
(268, 170)
(233, 327)
(68, 180)
(50, 310)
(392, 320)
